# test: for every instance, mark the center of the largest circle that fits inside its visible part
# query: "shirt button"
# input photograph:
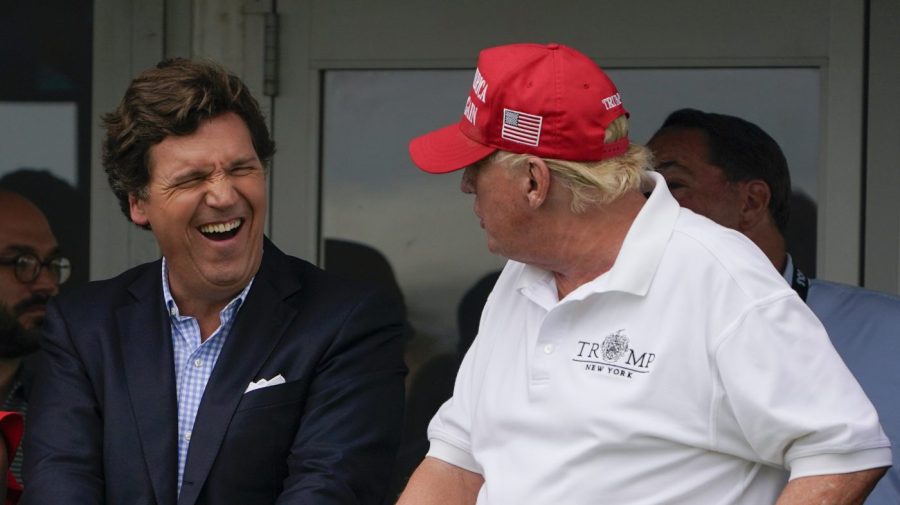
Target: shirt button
(548, 349)
(187, 436)
(198, 363)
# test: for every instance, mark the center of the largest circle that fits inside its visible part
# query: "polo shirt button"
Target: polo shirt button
(548, 349)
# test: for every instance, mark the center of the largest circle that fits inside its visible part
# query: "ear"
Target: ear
(755, 197)
(538, 183)
(136, 210)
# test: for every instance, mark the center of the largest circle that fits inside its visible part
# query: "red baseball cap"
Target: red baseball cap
(547, 100)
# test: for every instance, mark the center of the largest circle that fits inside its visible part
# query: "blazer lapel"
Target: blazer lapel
(146, 342)
(260, 323)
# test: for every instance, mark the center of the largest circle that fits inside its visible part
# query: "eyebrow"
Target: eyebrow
(666, 165)
(25, 249)
(245, 160)
(18, 249)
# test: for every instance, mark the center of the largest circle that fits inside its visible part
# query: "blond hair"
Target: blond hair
(594, 183)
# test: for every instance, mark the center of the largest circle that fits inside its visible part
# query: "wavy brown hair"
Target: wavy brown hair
(172, 98)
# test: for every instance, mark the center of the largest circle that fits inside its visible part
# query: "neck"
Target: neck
(208, 319)
(204, 310)
(8, 369)
(585, 246)
(771, 242)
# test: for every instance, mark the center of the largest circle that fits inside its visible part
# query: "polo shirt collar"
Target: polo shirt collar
(638, 259)
(646, 240)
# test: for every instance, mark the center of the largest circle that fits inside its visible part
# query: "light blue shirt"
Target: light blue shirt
(864, 327)
(194, 361)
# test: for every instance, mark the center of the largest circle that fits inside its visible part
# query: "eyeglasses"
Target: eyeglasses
(28, 267)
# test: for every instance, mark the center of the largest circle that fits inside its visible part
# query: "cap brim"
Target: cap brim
(446, 150)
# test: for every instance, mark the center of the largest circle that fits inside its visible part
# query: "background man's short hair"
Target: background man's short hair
(172, 99)
(744, 152)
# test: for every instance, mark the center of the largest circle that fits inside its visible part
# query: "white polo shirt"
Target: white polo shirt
(688, 373)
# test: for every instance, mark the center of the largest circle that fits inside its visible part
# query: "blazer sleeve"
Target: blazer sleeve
(63, 440)
(345, 449)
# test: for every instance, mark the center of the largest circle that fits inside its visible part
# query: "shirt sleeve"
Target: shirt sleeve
(449, 432)
(786, 398)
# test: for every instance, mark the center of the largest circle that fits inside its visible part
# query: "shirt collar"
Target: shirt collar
(640, 254)
(172, 307)
(788, 272)
(646, 240)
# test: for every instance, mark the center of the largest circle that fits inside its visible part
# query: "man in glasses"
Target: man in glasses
(31, 271)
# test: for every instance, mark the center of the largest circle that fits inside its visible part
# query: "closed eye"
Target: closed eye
(244, 165)
(190, 181)
(243, 169)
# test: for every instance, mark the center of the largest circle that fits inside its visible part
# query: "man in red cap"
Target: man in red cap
(631, 351)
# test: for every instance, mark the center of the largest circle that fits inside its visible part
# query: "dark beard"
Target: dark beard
(16, 341)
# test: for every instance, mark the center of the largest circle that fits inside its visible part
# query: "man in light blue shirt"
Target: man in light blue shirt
(731, 171)
(195, 358)
(227, 371)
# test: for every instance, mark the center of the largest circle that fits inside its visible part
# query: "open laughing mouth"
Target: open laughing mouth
(221, 231)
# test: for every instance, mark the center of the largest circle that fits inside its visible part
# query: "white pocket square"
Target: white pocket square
(263, 383)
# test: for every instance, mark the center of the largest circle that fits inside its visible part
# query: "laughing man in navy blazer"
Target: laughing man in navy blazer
(226, 372)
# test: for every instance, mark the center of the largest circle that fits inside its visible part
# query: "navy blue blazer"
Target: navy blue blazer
(102, 417)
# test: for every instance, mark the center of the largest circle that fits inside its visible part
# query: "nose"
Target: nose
(45, 283)
(220, 191)
(467, 184)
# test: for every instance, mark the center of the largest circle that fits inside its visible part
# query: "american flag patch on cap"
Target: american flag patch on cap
(521, 127)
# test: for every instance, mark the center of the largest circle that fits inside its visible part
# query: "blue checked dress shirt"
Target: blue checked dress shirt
(194, 361)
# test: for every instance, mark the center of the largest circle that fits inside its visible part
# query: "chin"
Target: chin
(233, 276)
(32, 322)
(495, 249)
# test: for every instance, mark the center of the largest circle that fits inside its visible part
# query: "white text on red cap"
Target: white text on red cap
(612, 101)
(479, 88)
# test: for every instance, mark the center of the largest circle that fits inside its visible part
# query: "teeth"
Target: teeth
(220, 227)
